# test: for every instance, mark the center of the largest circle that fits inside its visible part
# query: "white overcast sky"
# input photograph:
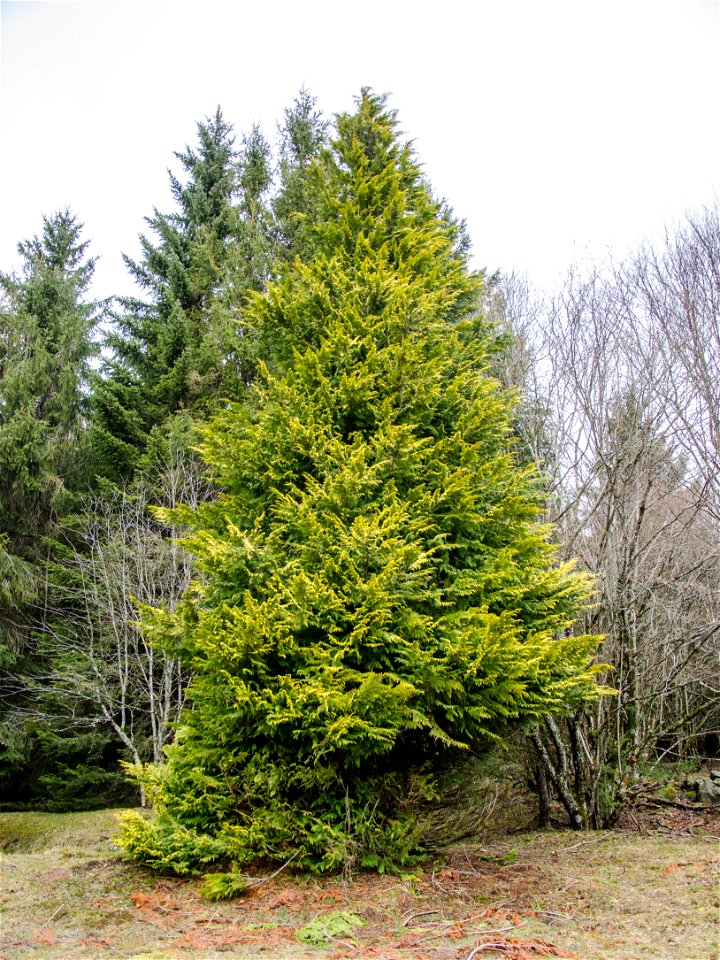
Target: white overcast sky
(557, 129)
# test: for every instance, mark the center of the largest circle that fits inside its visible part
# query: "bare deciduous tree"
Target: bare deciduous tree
(104, 662)
(620, 381)
(674, 297)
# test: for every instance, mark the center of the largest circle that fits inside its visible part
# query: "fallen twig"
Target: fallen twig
(48, 921)
(582, 843)
(540, 947)
(115, 949)
(343, 943)
(253, 882)
(280, 869)
(208, 919)
(662, 802)
(551, 913)
(414, 916)
(482, 933)
(492, 945)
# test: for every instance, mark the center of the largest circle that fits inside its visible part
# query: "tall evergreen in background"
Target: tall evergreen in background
(46, 343)
(167, 353)
(254, 248)
(376, 587)
(172, 355)
(297, 204)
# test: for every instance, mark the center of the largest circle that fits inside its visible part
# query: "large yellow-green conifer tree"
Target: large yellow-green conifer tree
(375, 587)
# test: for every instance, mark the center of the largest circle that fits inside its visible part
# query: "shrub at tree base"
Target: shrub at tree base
(375, 585)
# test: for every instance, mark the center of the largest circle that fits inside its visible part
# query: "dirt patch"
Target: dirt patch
(647, 891)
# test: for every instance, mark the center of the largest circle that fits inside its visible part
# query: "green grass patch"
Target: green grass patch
(34, 832)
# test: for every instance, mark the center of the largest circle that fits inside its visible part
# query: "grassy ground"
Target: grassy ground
(647, 890)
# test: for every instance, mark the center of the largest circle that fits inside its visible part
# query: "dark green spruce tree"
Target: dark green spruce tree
(254, 248)
(167, 352)
(376, 587)
(46, 344)
(298, 202)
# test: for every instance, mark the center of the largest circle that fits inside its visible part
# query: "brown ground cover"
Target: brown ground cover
(648, 889)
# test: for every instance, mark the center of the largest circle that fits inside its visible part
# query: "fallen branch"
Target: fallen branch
(485, 933)
(663, 802)
(583, 843)
(114, 949)
(49, 920)
(343, 943)
(522, 949)
(486, 946)
(559, 916)
(423, 913)
(279, 870)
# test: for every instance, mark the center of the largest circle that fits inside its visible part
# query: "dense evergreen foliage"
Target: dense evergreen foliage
(297, 202)
(45, 348)
(375, 586)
